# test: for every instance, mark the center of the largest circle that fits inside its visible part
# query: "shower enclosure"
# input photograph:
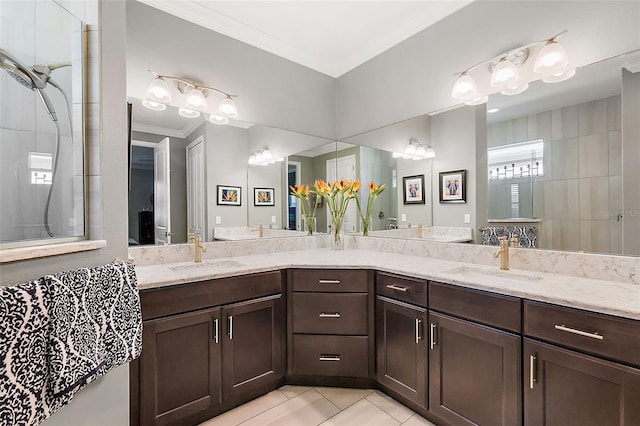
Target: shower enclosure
(42, 179)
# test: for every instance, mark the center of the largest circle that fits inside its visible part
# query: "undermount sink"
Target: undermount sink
(207, 264)
(471, 272)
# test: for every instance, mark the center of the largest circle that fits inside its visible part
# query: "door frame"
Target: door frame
(198, 140)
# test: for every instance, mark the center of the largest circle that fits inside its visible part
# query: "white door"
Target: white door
(345, 168)
(196, 180)
(162, 198)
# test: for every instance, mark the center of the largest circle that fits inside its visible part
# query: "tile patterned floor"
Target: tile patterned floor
(311, 406)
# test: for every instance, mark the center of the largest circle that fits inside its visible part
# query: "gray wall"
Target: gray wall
(631, 171)
(582, 173)
(265, 177)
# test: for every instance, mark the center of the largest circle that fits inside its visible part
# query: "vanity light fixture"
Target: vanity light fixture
(551, 64)
(416, 151)
(159, 95)
(262, 157)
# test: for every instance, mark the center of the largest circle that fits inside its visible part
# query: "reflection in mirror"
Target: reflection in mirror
(555, 159)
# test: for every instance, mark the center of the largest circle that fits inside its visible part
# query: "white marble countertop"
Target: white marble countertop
(614, 298)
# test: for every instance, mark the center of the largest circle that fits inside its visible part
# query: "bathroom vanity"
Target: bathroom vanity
(458, 343)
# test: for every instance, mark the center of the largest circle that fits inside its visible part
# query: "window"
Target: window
(516, 160)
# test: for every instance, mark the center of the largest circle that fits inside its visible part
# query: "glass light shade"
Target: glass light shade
(477, 101)
(188, 113)
(514, 90)
(430, 153)
(552, 59)
(158, 91)
(155, 106)
(505, 74)
(216, 119)
(196, 100)
(259, 157)
(266, 154)
(410, 149)
(420, 151)
(464, 87)
(252, 159)
(228, 108)
(558, 77)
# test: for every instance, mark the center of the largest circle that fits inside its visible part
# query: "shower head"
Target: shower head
(28, 78)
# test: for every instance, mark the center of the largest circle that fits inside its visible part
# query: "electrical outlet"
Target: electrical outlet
(218, 220)
(273, 219)
(403, 217)
(467, 218)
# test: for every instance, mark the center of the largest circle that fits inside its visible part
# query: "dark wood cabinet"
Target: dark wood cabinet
(401, 349)
(564, 387)
(474, 373)
(180, 368)
(253, 346)
(197, 364)
(330, 327)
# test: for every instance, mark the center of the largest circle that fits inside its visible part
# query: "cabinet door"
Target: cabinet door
(474, 373)
(253, 346)
(564, 387)
(401, 349)
(180, 368)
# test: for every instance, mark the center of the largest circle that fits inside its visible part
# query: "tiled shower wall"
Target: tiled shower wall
(581, 188)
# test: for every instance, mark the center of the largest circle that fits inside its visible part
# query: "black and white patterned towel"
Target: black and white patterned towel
(24, 327)
(96, 324)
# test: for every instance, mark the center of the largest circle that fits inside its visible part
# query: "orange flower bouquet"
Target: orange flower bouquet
(337, 195)
(302, 192)
(374, 191)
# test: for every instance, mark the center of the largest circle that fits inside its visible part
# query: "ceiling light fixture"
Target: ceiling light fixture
(551, 64)
(159, 95)
(262, 157)
(416, 151)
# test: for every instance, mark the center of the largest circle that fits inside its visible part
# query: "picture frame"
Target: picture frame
(229, 195)
(453, 186)
(264, 197)
(413, 189)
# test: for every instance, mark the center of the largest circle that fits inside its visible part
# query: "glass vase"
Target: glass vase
(310, 224)
(337, 233)
(366, 225)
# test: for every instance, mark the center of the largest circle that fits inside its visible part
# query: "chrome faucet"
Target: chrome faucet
(198, 247)
(260, 231)
(503, 253)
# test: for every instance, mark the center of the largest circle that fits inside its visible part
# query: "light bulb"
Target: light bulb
(228, 108)
(155, 106)
(216, 119)
(464, 87)
(504, 74)
(266, 154)
(552, 59)
(259, 157)
(430, 153)
(252, 159)
(188, 113)
(477, 101)
(410, 149)
(196, 100)
(560, 76)
(420, 151)
(158, 91)
(514, 90)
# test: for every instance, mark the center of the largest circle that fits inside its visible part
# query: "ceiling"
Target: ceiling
(331, 37)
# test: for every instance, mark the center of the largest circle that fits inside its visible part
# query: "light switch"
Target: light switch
(273, 219)
(467, 218)
(403, 217)
(218, 220)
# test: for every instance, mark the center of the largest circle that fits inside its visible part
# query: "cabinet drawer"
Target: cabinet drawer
(488, 308)
(330, 280)
(409, 290)
(600, 334)
(330, 355)
(332, 313)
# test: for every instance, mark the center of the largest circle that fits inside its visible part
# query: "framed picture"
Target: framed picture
(229, 195)
(413, 189)
(452, 186)
(264, 197)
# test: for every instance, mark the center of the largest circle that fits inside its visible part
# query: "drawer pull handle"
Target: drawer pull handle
(328, 281)
(532, 371)
(215, 330)
(432, 336)
(418, 337)
(323, 315)
(578, 332)
(327, 357)
(397, 287)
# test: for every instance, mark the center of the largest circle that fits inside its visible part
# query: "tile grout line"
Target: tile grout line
(271, 408)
